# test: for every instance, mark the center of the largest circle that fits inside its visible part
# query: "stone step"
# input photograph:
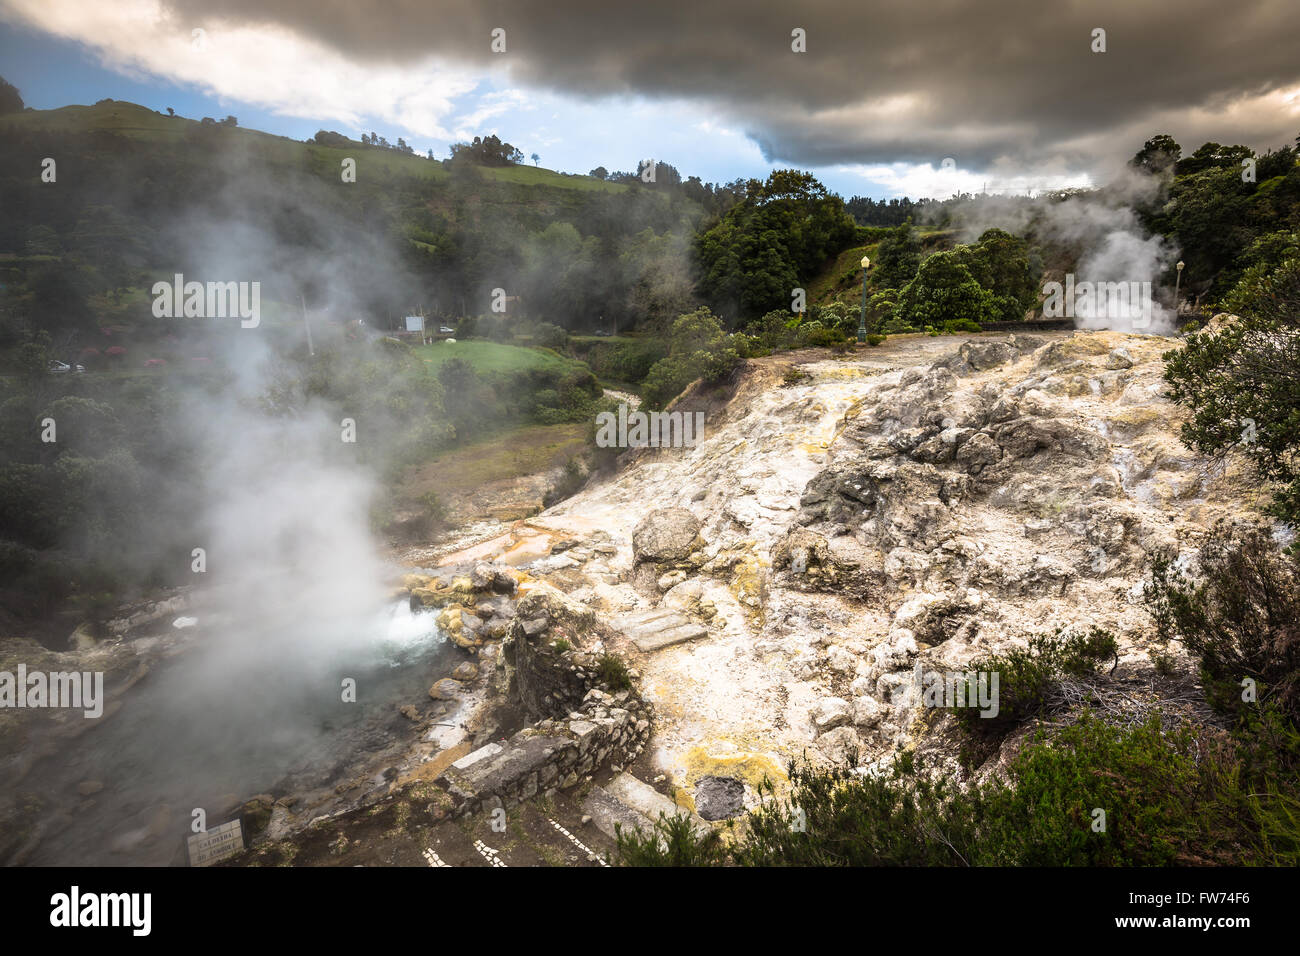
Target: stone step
(641, 797)
(646, 800)
(657, 629)
(609, 813)
(641, 618)
(632, 802)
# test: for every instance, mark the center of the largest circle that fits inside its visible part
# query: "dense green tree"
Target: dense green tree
(10, 100)
(697, 348)
(1004, 265)
(1158, 154)
(484, 151)
(773, 241)
(1214, 156)
(1240, 384)
(897, 259)
(944, 290)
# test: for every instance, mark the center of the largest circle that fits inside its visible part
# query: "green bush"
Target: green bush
(1026, 676)
(672, 842)
(624, 361)
(698, 348)
(1165, 797)
(1240, 384)
(1239, 616)
(613, 672)
(1168, 797)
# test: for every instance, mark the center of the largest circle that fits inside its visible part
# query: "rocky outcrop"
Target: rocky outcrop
(551, 754)
(919, 504)
(666, 536)
(545, 652)
(579, 722)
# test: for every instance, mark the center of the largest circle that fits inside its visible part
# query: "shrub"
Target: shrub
(1240, 617)
(433, 507)
(820, 337)
(672, 842)
(613, 672)
(1167, 797)
(875, 338)
(957, 326)
(550, 336)
(1026, 676)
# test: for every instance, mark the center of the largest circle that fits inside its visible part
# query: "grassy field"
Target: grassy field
(495, 356)
(598, 339)
(845, 273)
(138, 122)
(842, 278)
(510, 454)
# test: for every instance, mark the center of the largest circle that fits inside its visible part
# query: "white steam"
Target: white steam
(1106, 236)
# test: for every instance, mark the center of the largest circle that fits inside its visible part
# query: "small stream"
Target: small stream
(210, 729)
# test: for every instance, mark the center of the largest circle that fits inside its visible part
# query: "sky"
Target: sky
(881, 100)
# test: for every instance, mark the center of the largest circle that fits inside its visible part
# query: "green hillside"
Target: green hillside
(140, 123)
(497, 357)
(139, 196)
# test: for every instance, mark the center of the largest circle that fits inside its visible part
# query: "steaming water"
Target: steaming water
(273, 722)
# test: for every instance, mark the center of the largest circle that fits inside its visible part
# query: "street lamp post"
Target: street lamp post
(1178, 282)
(862, 326)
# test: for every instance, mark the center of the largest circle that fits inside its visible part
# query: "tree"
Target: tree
(536, 159)
(230, 121)
(1000, 263)
(1209, 212)
(331, 138)
(697, 348)
(170, 111)
(1212, 156)
(774, 240)
(898, 258)
(1157, 155)
(10, 100)
(943, 291)
(1240, 384)
(600, 172)
(486, 151)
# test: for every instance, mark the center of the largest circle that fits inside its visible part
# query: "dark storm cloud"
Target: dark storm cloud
(978, 81)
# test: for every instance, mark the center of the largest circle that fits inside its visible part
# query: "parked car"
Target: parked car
(446, 331)
(62, 368)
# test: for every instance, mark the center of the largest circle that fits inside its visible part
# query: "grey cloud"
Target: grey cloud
(990, 79)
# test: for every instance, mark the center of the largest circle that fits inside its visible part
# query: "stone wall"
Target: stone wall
(552, 655)
(554, 753)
